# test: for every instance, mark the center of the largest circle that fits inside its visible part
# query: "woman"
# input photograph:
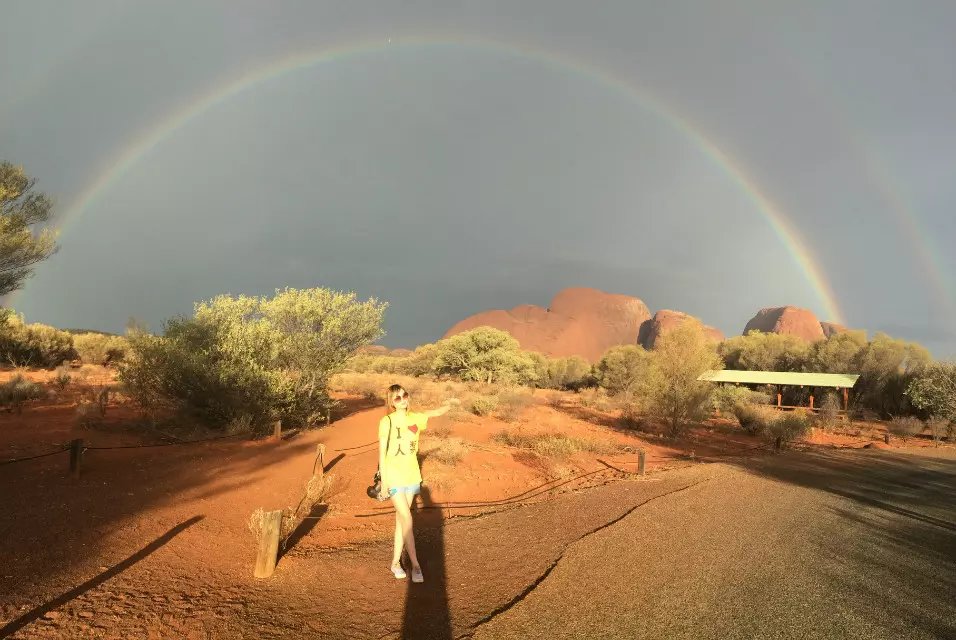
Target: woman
(398, 434)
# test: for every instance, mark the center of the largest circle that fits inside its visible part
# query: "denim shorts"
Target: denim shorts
(413, 489)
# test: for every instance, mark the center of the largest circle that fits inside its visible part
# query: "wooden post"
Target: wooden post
(76, 454)
(779, 397)
(328, 416)
(319, 468)
(778, 444)
(268, 544)
(811, 400)
(640, 462)
(846, 398)
(277, 430)
(886, 438)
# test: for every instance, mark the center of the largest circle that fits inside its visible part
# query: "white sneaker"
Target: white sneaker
(398, 572)
(417, 575)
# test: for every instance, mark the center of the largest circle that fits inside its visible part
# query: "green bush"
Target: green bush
(726, 397)
(759, 351)
(267, 358)
(568, 374)
(61, 380)
(18, 390)
(787, 428)
(484, 405)
(484, 355)
(622, 368)
(905, 427)
(754, 419)
(33, 345)
(98, 348)
(933, 390)
(829, 415)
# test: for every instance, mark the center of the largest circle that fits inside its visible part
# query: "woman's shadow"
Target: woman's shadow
(426, 604)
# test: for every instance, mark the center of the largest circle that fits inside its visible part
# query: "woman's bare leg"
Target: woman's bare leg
(403, 516)
(399, 538)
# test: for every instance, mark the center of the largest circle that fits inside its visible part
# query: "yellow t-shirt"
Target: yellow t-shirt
(401, 459)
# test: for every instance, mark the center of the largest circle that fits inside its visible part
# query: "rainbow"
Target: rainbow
(148, 140)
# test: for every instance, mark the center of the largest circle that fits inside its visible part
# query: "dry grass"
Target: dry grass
(512, 403)
(449, 451)
(905, 427)
(554, 446)
(598, 399)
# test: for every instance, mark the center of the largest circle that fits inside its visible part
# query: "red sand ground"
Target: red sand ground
(59, 532)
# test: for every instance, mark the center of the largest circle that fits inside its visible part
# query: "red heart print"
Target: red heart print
(413, 428)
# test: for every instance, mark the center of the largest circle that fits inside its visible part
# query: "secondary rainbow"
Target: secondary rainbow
(142, 144)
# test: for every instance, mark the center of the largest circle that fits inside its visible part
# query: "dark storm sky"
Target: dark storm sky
(454, 157)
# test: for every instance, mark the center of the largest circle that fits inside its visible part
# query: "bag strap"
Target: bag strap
(388, 442)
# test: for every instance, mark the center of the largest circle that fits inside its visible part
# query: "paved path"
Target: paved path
(834, 545)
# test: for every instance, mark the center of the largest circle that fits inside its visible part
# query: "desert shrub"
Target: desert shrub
(887, 368)
(511, 403)
(450, 451)
(98, 348)
(840, 353)
(933, 390)
(34, 345)
(268, 358)
(905, 427)
(671, 390)
(17, 390)
(726, 397)
(61, 380)
(787, 428)
(759, 351)
(553, 445)
(754, 419)
(484, 405)
(358, 384)
(829, 415)
(484, 355)
(569, 374)
(420, 363)
(88, 413)
(596, 398)
(940, 428)
(622, 368)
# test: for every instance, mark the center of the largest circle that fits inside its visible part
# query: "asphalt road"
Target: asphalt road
(857, 544)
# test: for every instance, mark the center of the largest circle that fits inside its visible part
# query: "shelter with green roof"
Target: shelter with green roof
(839, 381)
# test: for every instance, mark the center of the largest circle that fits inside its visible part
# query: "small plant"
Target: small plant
(61, 380)
(905, 427)
(553, 446)
(18, 390)
(939, 428)
(829, 414)
(754, 419)
(449, 451)
(596, 398)
(484, 405)
(88, 414)
(787, 428)
(511, 404)
(241, 425)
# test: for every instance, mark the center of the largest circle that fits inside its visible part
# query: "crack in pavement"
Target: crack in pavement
(531, 587)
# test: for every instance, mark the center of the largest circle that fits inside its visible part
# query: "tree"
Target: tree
(887, 366)
(483, 354)
(21, 209)
(759, 351)
(671, 390)
(252, 358)
(934, 390)
(622, 367)
(840, 353)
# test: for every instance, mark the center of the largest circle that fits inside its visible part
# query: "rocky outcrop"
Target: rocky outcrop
(580, 321)
(792, 321)
(664, 321)
(832, 329)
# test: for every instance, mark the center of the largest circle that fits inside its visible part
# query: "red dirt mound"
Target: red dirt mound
(583, 322)
(664, 321)
(787, 320)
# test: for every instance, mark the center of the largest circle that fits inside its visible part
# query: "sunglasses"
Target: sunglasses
(400, 397)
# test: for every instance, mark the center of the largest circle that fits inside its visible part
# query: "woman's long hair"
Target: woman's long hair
(390, 394)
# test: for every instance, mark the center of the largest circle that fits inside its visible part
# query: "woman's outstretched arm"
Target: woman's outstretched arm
(434, 413)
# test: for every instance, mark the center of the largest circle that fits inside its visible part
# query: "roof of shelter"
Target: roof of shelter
(838, 380)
